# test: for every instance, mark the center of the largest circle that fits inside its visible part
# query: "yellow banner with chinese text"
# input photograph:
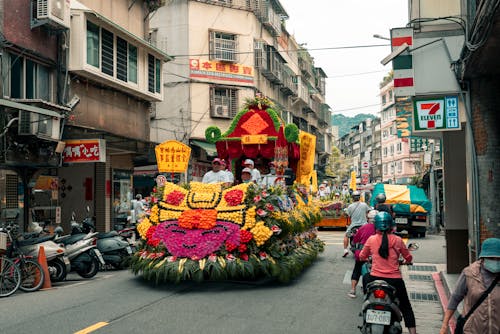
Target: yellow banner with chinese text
(172, 156)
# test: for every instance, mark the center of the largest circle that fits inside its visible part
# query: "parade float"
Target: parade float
(205, 232)
(333, 211)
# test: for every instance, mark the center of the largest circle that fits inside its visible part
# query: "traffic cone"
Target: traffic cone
(43, 262)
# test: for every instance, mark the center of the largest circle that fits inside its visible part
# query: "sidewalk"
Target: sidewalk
(423, 295)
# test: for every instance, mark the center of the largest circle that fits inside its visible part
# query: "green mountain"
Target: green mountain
(345, 123)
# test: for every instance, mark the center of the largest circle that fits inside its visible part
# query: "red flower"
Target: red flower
(234, 197)
(261, 212)
(244, 257)
(230, 257)
(257, 198)
(264, 193)
(269, 207)
(263, 255)
(230, 246)
(245, 236)
(175, 197)
(149, 236)
(276, 229)
(242, 248)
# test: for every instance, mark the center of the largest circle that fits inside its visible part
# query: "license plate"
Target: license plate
(99, 256)
(378, 317)
(129, 250)
(401, 220)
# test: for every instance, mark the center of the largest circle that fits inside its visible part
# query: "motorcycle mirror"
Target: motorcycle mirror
(413, 246)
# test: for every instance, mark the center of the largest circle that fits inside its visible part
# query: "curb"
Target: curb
(443, 293)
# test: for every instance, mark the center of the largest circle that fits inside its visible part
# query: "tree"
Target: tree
(338, 166)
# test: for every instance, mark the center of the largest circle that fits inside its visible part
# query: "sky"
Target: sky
(353, 74)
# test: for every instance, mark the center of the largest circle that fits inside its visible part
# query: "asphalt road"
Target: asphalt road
(316, 302)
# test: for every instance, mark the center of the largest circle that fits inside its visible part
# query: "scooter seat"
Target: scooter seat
(34, 241)
(103, 235)
(71, 239)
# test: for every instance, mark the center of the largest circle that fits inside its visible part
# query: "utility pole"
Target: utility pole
(432, 189)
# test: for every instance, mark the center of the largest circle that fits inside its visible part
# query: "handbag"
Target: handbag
(459, 328)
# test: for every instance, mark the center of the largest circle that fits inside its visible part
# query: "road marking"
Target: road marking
(92, 328)
(334, 243)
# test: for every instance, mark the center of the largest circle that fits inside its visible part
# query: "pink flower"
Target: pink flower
(261, 212)
(171, 258)
(212, 257)
(264, 193)
(230, 257)
(257, 198)
(276, 229)
(269, 207)
(262, 255)
(195, 258)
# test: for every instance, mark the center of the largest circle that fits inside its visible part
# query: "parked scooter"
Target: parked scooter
(114, 249)
(82, 252)
(380, 310)
(57, 261)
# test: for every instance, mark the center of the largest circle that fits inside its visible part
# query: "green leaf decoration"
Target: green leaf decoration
(291, 133)
(212, 134)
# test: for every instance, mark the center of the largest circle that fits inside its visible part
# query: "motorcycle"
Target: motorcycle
(115, 249)
(82, 252)
(57, 262)
(380, 309)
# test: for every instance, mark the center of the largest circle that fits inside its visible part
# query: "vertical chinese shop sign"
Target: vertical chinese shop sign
(172, 157)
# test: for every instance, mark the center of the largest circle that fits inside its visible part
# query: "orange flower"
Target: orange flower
(198, 218)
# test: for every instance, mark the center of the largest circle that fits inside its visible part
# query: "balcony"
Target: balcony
(271, 13)
(289, 82)
(269, 62)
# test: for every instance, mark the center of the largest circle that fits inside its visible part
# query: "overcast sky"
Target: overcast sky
(335, 23)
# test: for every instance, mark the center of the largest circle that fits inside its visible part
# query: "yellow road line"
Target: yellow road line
(92, 328)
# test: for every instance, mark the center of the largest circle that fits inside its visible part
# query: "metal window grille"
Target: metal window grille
(107, 55)
(223, 46)
(121, 59)
(223, 102)
(151, 73)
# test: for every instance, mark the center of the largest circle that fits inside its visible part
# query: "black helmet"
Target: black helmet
(380, 198)
(383, 221)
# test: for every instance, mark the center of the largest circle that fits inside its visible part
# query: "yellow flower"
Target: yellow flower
(261, 233)
(249, 219)
(143, 227)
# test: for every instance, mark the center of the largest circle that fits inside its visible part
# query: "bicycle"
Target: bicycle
(32, 274)
(10, 275)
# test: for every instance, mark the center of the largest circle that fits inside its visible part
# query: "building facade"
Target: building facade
(226, 52)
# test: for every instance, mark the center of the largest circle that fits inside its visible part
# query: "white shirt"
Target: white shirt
(268, 180)
(215, 177)
(255, 175)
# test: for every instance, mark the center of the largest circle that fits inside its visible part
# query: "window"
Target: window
(400, 167)
(390, 96)
(383, 99)
(385, 151)
(384, 134)
(399, 147)
(223, 46)
(391, 150)
(101, 45)
(29, 79)
(385, 168)
(223, 102)
(154, 74)
(92, 44)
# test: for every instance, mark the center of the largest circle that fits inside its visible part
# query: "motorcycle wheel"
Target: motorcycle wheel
(60, 270)
(91, 269)
(375, 329)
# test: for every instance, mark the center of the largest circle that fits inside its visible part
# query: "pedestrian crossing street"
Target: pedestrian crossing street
(331, 238)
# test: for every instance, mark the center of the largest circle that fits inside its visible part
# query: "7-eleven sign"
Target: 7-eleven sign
(436, 114)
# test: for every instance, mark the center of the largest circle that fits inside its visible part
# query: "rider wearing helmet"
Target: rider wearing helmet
(382, 206)
(385, 248)
(357, 211)
(359, 239)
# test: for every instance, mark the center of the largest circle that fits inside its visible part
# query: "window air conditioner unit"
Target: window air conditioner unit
(54, 13)
(34, 124)
(220, 110)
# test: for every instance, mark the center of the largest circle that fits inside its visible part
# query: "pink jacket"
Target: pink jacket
(364, 232)
(388, 268)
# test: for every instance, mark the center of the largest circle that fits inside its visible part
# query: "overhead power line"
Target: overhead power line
(298, 50)
(354, 108)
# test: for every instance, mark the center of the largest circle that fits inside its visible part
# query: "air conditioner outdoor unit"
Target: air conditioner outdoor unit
(54, 13)
(34, 124)
(220, 110)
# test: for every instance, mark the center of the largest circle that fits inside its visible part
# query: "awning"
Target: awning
(27, 107)
(209, 148)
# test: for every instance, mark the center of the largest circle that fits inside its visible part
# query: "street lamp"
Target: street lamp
(381, 37)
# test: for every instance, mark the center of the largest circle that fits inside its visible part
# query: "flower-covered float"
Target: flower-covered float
(204, 232)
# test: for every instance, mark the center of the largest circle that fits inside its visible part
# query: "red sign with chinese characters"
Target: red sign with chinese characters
(84, 150)
(214, 70)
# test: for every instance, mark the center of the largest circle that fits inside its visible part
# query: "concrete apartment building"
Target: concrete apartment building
(225, 52)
